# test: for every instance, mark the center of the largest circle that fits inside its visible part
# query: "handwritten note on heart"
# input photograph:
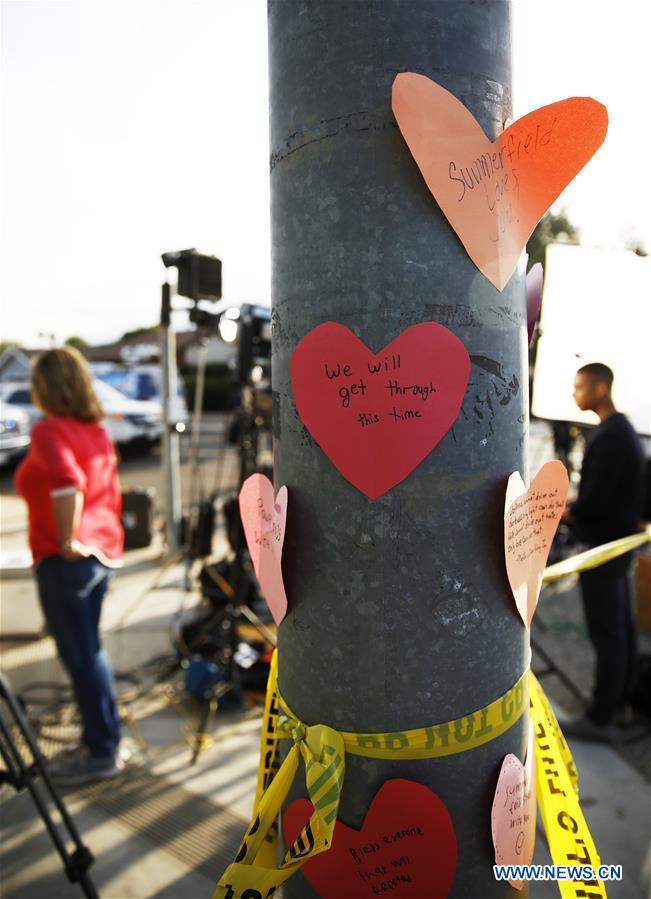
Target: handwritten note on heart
(495, 193)
(377, 415)
(513, 816)
(263, 519)
(530, 521)
(406, 847)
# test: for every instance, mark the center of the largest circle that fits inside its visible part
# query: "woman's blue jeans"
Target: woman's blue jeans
(71, 595)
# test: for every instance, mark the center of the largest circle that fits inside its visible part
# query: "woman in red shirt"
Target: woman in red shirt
(70, 484)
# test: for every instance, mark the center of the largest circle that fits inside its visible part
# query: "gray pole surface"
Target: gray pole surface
(400, 612)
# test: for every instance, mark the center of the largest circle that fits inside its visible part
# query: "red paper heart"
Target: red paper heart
(351, 399)
(407, 839)
(495, 193)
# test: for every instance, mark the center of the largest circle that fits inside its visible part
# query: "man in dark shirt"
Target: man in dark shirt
(608, 506)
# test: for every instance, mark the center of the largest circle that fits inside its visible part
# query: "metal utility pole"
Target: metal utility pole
(170, 445)
(400, 610)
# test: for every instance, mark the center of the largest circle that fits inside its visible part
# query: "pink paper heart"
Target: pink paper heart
(513, 816)
(263, 519)
(530, 521)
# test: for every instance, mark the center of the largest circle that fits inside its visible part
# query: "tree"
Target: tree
(551, 229)
(77, 342)
(6, 344)
(138, 332)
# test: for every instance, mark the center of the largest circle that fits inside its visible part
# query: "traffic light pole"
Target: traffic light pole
(400, 612)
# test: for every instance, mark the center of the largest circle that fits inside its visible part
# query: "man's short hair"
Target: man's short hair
(598, 372)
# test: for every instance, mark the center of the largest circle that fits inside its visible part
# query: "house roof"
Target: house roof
(118, 351)
(17, 354)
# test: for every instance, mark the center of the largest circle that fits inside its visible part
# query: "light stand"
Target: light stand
(170, 442)
(199, 277)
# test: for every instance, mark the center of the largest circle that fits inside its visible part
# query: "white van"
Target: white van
(141, 382)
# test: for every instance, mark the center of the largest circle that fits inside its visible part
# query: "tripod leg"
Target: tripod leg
(87, 885)
(202, 727)
(21, 775)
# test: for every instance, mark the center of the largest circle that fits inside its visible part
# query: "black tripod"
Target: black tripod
(20, 775)
(228, 585)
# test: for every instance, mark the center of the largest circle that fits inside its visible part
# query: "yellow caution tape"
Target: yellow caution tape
(568, 836)
(255, 874)
(594, 557)
(448, 738)
(269, 760)
(537, 696)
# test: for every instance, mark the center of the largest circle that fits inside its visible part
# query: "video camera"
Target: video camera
(199, 276)
(248, 325)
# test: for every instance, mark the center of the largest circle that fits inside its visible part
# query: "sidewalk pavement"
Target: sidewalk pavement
(167, 828)
(164, 827)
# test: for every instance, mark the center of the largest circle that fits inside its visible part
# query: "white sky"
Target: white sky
(131, 128)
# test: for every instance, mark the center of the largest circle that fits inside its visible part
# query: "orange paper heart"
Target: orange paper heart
(494, 194)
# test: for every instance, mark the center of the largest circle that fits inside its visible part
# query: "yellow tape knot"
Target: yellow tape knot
(298, 733)
(296, 729)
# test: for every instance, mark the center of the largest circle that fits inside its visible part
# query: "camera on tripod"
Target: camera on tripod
(232, 632)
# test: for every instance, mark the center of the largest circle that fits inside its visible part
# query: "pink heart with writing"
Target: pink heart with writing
(531, 518)
(513, 816)
(263, 519)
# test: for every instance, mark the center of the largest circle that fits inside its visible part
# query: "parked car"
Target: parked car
(14, 432)
(142, 382)
(127, 421)
(18, 394)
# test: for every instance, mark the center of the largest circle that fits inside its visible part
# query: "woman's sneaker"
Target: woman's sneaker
(80, 767)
